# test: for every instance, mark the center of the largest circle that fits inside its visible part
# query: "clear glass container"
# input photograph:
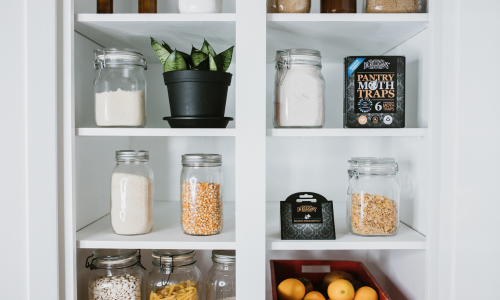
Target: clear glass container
(373, 197)
(288, 6)
(199, 6)
(299, 89)
(221, 278)
(201, 190)
(115, 275)
(174, 271)
(132, 190)
(119, 88)
(392, 6)
(338, 6)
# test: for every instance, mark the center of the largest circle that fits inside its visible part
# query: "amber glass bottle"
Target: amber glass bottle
(338, 6)
(147, 6)
(104, 6)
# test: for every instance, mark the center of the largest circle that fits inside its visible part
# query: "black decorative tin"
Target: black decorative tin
(374, 91)
(307, 216)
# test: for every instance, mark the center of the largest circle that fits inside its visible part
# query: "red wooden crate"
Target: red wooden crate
(284, 269)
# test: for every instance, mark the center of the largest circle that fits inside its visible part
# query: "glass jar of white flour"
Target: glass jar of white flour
(299, 89)
(132, 187)
(199, 6)
(119, 88)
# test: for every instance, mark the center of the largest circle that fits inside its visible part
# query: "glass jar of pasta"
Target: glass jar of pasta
(201, 190)
(373, 197)
(174, 273)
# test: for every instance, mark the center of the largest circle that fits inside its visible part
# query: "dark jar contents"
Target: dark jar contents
(338, 6)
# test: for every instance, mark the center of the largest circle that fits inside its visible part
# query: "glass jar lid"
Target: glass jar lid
(374, 165)
(118, 56)
(132, 154)
(199, 159)
(285, 58)
(113, 259)
(173, 258)
(224, 256)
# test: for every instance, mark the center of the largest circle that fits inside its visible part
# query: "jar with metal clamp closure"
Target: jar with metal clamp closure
(116, 274)
(174, 271)
(373, 197)
(119, 88)
(299, 89)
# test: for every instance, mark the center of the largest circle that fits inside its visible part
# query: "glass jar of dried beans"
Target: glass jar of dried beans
(201, 192)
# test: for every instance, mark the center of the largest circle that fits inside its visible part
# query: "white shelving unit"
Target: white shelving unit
(266, 164)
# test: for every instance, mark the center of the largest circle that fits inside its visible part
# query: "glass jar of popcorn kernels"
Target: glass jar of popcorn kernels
(373, 197)
(201, 194)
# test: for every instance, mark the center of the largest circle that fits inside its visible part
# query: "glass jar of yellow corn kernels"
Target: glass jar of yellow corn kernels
(201, 194)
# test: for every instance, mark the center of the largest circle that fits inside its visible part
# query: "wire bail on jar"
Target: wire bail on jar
(92, 266)
(282, 63)
(164, 267)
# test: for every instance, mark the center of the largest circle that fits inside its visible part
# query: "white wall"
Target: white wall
(477, 145)
(14, 220)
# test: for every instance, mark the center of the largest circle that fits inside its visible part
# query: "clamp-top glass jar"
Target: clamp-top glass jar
(201, 190)
(174, 271)
(299, 89)
(221, 281)
(132, 189)
(119, 88)
(115, 275)
(373, 197)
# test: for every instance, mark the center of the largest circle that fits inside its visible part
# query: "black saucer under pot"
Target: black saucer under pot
(198, 122)
(195, 93)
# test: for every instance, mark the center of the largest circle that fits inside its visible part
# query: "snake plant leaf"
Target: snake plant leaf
(211, 63)
(187, 58)
(204, 65)
(197, 56)
(207, 49)
(175, 62)
(166, 46)
(223, 59)
(161, 52)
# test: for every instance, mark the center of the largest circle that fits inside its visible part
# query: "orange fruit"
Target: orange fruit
(314, 296)
(341, 289)
(332, 276)
(291, 289)
(366, 293)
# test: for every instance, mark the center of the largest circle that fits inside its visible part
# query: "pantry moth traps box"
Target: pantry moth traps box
(307, 216)
(374, 91)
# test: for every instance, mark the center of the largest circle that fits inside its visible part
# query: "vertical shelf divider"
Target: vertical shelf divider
(251, 149)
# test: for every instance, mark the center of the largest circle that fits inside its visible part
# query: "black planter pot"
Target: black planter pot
(195, 93)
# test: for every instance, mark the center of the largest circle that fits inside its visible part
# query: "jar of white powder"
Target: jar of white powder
(115, 275)
(119, 88)
(299, 89)
(132, 185)
(199, 6)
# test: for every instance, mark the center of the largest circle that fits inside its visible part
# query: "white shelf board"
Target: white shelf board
(155, 132)
(166, 234)
(406, 238)
(178, 30)
(349, 132)
(340, 35)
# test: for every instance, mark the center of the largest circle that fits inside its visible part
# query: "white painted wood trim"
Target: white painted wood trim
(360, 17)
(69, 152)
(251, 149)
(154, 132)
(154, 17)
(348, 132)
